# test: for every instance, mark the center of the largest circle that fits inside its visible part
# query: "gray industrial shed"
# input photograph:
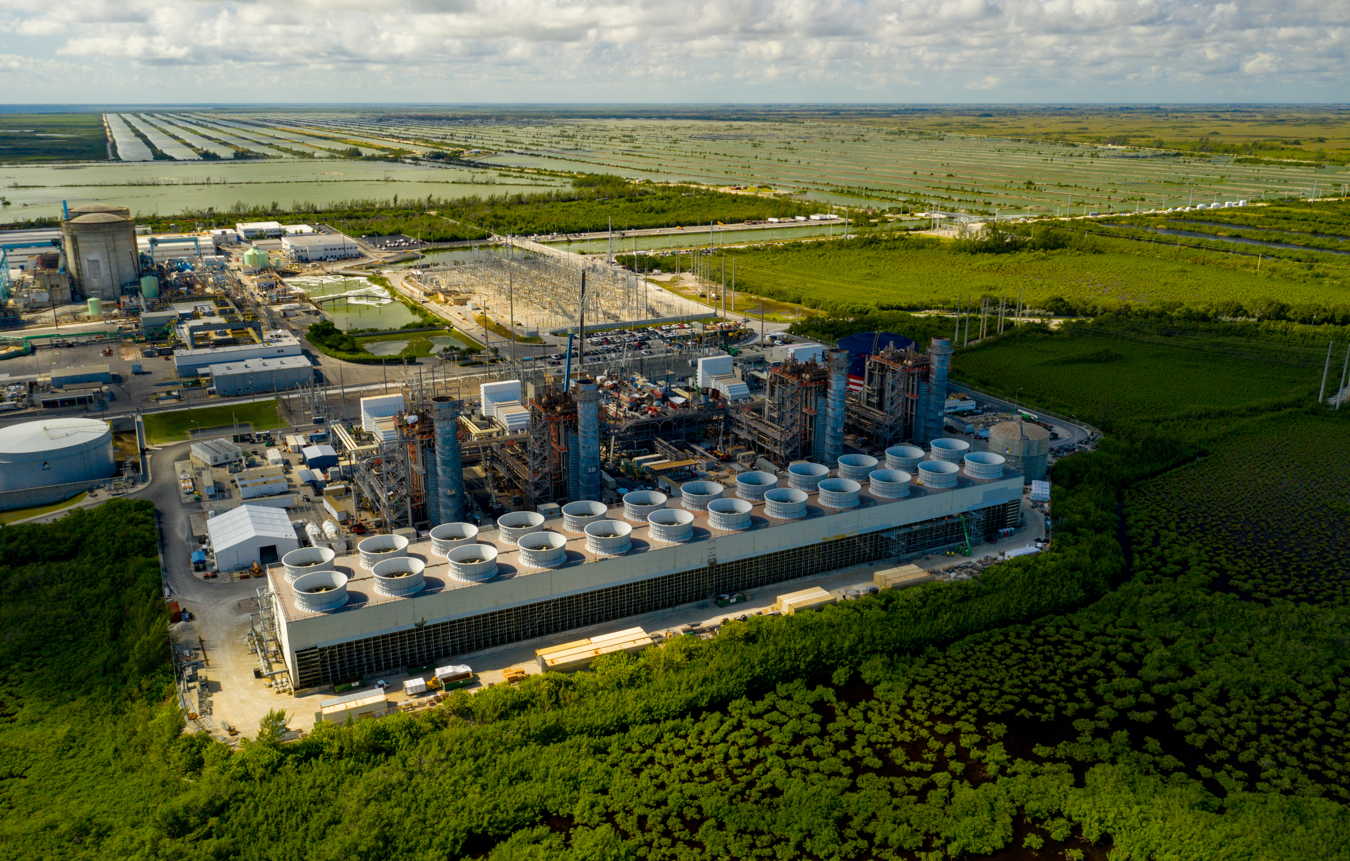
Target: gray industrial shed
(82, 374)
(260, 375)
(250, 533)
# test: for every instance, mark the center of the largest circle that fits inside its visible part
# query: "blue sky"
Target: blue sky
(494, 51)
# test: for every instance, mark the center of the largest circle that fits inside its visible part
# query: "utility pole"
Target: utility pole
(1340, 392)
(1322, 393)
(967, 341)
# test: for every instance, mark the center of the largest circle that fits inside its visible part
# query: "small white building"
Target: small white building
(217, 452)
(257, 229)
(250, 533)
(309, 248)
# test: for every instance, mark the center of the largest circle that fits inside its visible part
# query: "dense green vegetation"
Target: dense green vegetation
(52, 137)
(332, 341)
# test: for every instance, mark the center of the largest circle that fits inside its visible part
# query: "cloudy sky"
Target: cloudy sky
(462, 51)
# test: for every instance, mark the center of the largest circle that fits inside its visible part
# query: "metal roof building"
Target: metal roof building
(260, 375)
(250, 533)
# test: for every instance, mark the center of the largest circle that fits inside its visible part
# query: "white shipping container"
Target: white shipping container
(415, 686)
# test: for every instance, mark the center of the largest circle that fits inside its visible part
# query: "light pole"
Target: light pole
(199, 428)
(1015, 396)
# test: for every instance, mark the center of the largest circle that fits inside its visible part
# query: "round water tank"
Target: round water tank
(950, 450)
(640, 503)
(785, 503)
(399, 578)
(320, 591)
(149, 287)
(576, 515)
(543, 549)
(729, 515)
(670, 526)
(805, 476)
(751, 486)
(473, 563)
(856, 467)
(378, 548)
(257, 258)
(300, 562)
(95, 308)
(984, 464)
(695, 495)
(55, 451)
(1026, 447)
(609, 537)
(448, 536)
(938, 473)
(517, 524)
(903, 457)
(839, 492)
(888, 483)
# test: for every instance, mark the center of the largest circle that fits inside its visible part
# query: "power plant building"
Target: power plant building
(275, 344)
(260, 375)
(309, 248)
(55, 451)
(100, 248)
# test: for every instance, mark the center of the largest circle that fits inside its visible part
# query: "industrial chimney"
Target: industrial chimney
(449, 462)
(587, 393)
(940, 353)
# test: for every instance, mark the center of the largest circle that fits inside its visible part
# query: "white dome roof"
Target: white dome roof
(51, 435)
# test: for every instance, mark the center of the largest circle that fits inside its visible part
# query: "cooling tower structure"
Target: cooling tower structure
(904, 457)
(670, 526)
(300, 562)
(836, 393)
(588, 438)
(100, 245)
(320, 591)
(804, 475)
(449, 462)
(940, 355)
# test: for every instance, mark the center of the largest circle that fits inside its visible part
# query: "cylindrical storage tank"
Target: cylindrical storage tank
(398, 578)
(695, 495)
(320, 591)
(578, 515)
(838, 492)
(805, 476)
(609, 537)
(984, 464)
(640, 503)
(55, 451)
(300, 562)
(378, 548)
(331, 530)
(950, 450)
(729, 515)
(904, 457)
(543, 549)
(751, 486)
(95, 308)
(150, 287)
(785, 503)
(889, 483)
(315, 533)
(938, 473)
(448, 536)
(670, 526)
(473, 563)
(856, 467)
(1026, 447)
(100, 246)
(517, 524)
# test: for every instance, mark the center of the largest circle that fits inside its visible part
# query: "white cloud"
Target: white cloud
(635, 50)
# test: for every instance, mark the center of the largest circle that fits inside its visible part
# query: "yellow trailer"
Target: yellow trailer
(900, 578)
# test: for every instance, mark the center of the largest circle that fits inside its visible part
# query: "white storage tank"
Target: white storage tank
(448, 536)
(950, 450)
(751, 486)
(473, 563)
(805, 476)
(856, 467)
(696, 495)
(580, 514)
(670, 526)
(320, 591)
(839, 492)
(399, 578)
(378, 548)
(55, 451)
(543, 549)
(609, 537)
(641, 503)
(300, 562)
(517, 524)
(889, 483)
(785, 503)
(904, 457)
(938, 473)
(729, 515)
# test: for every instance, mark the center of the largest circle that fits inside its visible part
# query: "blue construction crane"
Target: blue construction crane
(567, 369)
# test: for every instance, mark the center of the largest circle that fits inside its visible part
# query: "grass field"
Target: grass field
(161, 428)
(24, 513)
(52, 137)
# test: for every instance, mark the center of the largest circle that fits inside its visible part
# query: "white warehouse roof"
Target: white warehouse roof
(253, 366)
(246, 523)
